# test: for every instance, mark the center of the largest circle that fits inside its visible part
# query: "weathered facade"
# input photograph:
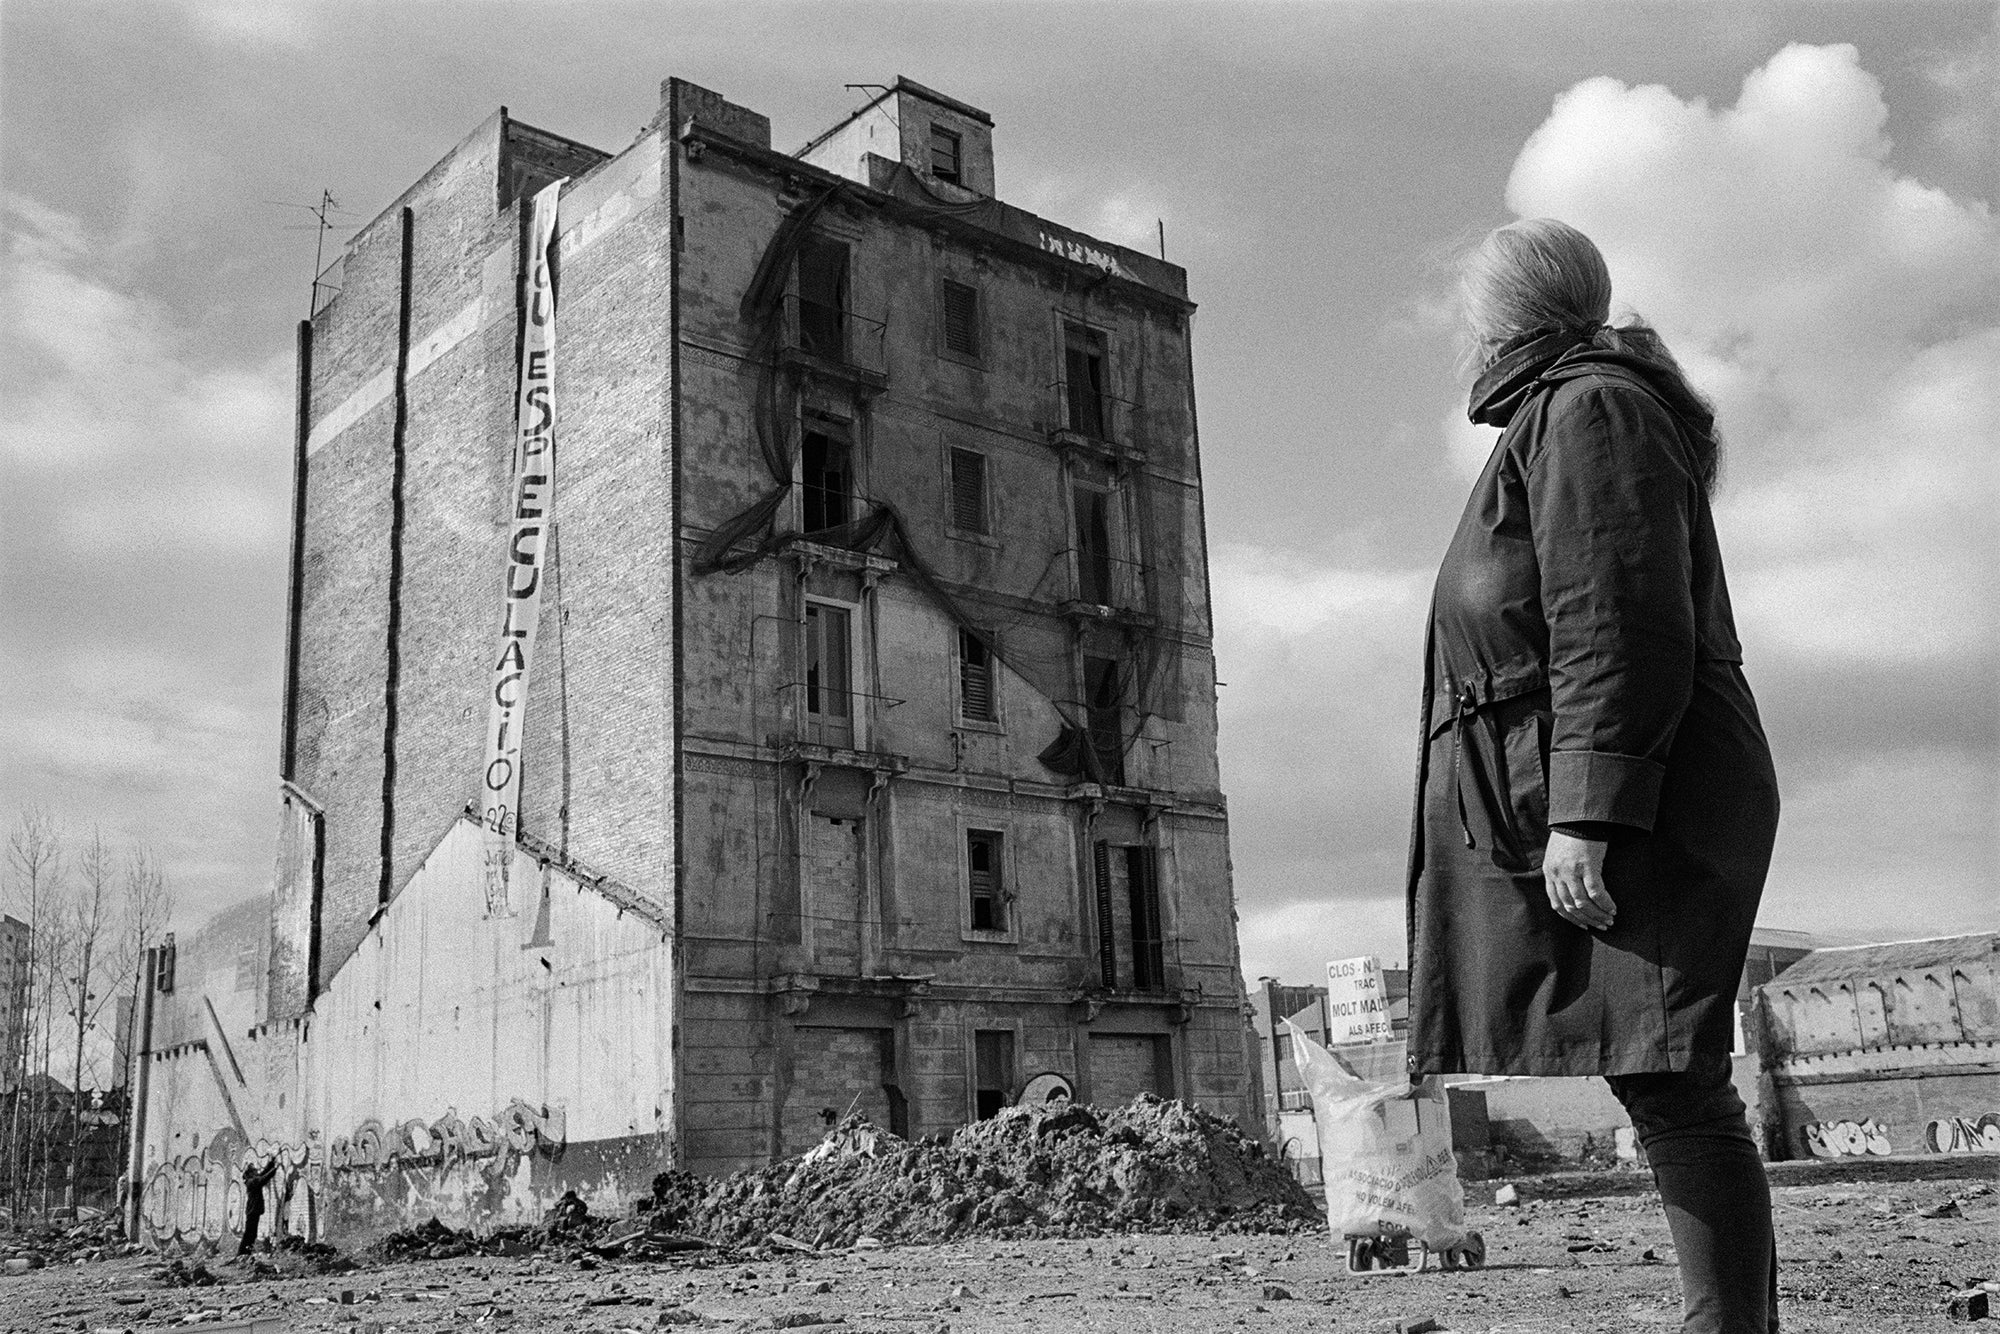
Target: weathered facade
(1880, 1049)
(870, 746)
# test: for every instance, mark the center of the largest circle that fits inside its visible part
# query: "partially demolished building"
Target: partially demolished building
(868, 752)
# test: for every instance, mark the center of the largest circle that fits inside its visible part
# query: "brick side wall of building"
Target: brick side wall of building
(600, 704)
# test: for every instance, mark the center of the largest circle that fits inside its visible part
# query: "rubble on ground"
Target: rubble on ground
(1067, 1170)
(61, 1241)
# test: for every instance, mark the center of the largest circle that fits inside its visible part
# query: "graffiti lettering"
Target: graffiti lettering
(1964, 1134)
(1842, 1139)
(199, 1197)
(520, 1129)
(1080, 253)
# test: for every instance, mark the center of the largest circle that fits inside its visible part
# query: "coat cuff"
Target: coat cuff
(1600, 785)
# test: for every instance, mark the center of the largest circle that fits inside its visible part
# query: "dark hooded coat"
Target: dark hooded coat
(1583, 670)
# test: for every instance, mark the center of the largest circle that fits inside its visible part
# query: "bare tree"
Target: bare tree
(96, 949)
(36, 860)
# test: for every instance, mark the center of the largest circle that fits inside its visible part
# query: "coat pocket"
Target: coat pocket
(1524, 724)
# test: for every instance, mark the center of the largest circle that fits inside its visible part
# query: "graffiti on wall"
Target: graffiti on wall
(199, 1197)
(1078, 252)
(1964, 1134)
(1844, 1139)
(515, 1132)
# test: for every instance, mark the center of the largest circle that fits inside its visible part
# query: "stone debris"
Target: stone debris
(1949, 1209)
(1972, 1304)
(1068, 1170)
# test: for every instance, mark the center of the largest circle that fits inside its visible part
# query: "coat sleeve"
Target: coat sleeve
(1611, 499)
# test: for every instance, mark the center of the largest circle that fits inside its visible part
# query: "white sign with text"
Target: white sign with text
(1357, 1007)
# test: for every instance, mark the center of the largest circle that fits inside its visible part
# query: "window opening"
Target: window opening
(982, 869)
(945, 154)
(993, 1072)
(975, 678)
(961, 318)
(827, 462)
(1092, 509)
(829, 684)
(1107, 946)
(1100, 697)
(1148, 946)
(1083, 379)
(823, 298)
(968, 491)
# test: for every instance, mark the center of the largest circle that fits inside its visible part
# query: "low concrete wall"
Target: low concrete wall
(466, 1064)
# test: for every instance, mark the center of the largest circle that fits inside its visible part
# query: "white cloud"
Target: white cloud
(1842, 315)
(145, 554)
(1294, 942)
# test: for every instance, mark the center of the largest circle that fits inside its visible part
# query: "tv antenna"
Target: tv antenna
(322, 225)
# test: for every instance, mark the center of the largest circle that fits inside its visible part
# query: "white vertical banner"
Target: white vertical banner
(530, 510)
(1357, 1006)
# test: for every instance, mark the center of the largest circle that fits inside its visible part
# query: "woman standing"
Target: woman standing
(1595, 800)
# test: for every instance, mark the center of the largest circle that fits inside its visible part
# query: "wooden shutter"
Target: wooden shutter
(968, 491)
(975, 678)
(1107, 944)
(982, 864)
(1148, 944)
(961, 319)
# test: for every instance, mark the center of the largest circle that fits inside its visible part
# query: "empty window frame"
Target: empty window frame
(946, 154)
(985, 891)
(826, 466)
(1107, 926)
(822, 324)
(968, 492)
(976, 702)
(1090, 510)
(958, 311)
(1101, 690)
(993, 1072)
(1142, 884)
(829, 686)
(1084, 380)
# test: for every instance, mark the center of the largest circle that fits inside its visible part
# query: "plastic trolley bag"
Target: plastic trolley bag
(1385, 1155)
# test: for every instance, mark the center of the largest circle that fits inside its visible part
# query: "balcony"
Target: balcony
(835, 344)
(1097, 425)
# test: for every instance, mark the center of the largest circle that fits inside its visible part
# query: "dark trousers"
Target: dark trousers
(1718, 1203)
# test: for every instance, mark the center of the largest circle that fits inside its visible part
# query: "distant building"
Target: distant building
(869, 753)
(14, 971)
(1879, 1049)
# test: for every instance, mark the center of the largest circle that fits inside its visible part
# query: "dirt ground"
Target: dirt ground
(1585, 1253)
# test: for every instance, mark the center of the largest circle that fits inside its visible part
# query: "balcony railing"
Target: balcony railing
(1098, 423)
(833, 338)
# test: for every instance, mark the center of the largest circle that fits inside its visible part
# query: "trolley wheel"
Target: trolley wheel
(1384, 1253)
(1468, 1254)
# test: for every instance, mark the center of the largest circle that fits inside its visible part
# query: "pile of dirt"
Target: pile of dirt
(1068, 1170)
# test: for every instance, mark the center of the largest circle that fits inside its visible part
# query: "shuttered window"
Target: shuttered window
(975, 678)
(968, 491)
(1142, 881)
(945, 154)
(961, 318)
(982, 871)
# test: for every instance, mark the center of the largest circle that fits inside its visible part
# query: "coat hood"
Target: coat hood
(1549, 357)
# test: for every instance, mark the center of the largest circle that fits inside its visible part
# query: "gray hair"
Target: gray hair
(1534, 274)
(1542, 275)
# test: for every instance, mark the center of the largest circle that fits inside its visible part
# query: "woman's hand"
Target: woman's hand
(1573, 872)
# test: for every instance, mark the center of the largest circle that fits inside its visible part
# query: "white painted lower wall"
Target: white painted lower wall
(463, 1064)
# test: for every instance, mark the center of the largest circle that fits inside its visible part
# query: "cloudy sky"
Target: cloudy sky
(1800, 197)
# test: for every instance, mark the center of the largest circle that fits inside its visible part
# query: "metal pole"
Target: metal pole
(138, 1084)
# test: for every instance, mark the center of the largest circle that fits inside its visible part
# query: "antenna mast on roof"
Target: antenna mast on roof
(326, 204)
